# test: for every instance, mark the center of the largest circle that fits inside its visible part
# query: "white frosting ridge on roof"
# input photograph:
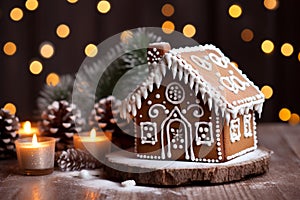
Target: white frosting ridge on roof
(181, 69)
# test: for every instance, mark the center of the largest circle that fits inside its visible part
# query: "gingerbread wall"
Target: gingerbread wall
(185, 109)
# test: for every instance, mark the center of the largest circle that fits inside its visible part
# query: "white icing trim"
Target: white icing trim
(182, 69)
(241, 152)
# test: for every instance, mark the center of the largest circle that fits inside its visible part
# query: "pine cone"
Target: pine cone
(106, 115)
(61, 120)
(9, 125)
(76, 159)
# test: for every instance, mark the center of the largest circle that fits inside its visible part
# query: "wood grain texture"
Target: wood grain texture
(280, 182)
(123, 166)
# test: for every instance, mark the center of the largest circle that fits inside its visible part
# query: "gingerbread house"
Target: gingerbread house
(195, 105)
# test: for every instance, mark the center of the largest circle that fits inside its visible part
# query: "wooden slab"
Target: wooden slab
(124, 165)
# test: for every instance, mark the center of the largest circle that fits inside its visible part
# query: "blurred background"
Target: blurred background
(40, 41)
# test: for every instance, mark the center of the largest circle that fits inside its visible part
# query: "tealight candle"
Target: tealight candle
(96, 145)
(27, 130)
(36, 155)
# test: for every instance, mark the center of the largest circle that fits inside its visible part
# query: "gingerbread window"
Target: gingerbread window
(247, 125)
(235, 133)
(204, 133)
(148, 133)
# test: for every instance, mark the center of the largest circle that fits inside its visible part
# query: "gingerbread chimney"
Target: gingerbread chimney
(156, 51)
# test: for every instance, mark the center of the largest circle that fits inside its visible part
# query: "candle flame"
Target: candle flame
(34, 140)
(93, 134)
(27, 127)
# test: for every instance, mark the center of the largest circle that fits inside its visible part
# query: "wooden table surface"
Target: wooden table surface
(281, 182)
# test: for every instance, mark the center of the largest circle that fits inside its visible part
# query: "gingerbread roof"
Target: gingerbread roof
(206, 70)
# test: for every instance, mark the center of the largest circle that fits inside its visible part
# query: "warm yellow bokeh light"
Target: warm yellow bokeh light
(91, 50)
(35, 67)
(271, 4)
(103, 6)
(63, 31)
(16, 14)
(189, 30)
(247, 35)
(167, 10)
(46, 50)
(234, 64)
(31, 4)
(299, 56)
(287, 49)
(11, 108)
(72, 1)
(52, 79)
(9, 48)
(235, 11)
(168, 27)
(125, 36)
(284, 114)
(267, 91)
(294, 119)
(267, 46)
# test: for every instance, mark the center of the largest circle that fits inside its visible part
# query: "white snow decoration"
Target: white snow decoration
(69, 135)
(13, 134)
(9, 121)
(73, 117)
(53, 130)
(66, 125)
(6, 140)
(128, 183)
(55, 105)
(85, 174)
(9, 128)
(46, 122)
(51, 117)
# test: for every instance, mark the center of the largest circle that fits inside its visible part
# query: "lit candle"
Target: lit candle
(36, 155)
(27, 130)
(96, 145)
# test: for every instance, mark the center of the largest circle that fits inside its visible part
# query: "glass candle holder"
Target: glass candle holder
(36, 158)
(97, 144)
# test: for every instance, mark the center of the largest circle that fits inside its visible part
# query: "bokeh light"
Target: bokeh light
(287, 49)
(299, 56)
(91, 50)
(125, 36)
(46, 50)
(72, 1)
(247, 35)
(103, 6)
(167, 10)
(267, 91)
(35, 67)
(271, 4)
(294, 119)
(16, 14)
(11, 108)
(63, 31)
(284, 114)
(31, 5)
(9, 48)
(189, 30)
(52, 79)
(234, 64)
(168, 27)
(235, 11)
(267, 46)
